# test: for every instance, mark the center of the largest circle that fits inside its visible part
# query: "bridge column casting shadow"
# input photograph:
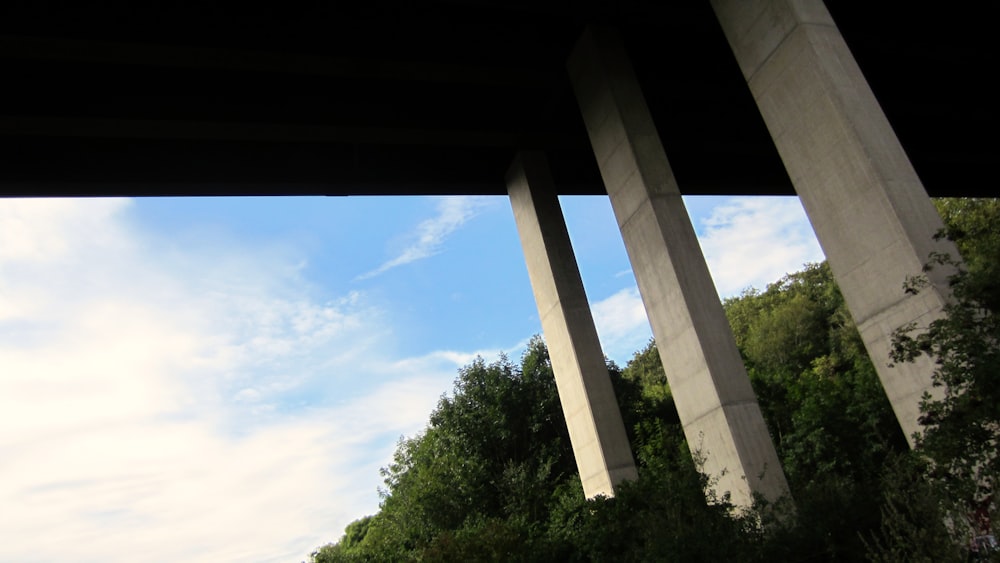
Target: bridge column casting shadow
(867, 206)
(716, 405)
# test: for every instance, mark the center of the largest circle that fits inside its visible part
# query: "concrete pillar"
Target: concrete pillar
(596, 431)
(870, 212)
(716, 404)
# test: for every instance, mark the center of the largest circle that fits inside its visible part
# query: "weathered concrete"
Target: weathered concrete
(870, 212)
(716, 404)
(588, 401)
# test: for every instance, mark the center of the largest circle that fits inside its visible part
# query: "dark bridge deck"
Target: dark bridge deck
(434, 97)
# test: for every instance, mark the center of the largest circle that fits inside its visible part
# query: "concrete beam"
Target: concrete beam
(716, 404)
(869, 209)
(588, 401)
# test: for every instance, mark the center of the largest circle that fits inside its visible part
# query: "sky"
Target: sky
(220, 379)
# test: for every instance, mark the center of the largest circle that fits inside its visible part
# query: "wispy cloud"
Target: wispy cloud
(753, 241)
(621, 323)
(206, 405)
(207, 402)
(426, 240)
(448, 361)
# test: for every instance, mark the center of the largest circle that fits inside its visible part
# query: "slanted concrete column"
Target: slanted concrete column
(870, 212)
(716, 404)
(596, 431)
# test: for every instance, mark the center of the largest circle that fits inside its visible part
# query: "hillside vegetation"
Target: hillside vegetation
(492, 478)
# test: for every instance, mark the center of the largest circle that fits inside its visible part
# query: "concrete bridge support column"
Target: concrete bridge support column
(870, 212)
(716, 404)
(596, 431)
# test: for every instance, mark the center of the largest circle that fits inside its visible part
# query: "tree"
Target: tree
(832, 425)
(961, 425)
(472, 484)
(816, 386)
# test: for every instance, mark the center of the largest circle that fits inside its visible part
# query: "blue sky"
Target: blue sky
(221, 379)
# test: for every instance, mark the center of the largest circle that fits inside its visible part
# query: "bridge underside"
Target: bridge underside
(382, 98)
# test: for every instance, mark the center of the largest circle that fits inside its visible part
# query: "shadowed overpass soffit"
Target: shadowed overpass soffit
(394, 98)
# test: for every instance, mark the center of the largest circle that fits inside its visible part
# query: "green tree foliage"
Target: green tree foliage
(663, 516)
(345, 549)
(492, 477)
(481, 472)
(961, 424)
(914, 522)
(816, 385)
(830, 420)
(645, 370)
(971, 223)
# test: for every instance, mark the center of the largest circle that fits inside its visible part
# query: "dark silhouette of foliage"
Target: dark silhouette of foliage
(956, 452)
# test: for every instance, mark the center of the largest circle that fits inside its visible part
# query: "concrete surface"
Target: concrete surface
(868, 208)
(596, 431)
(716, 404)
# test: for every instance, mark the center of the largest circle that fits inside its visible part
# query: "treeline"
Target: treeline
(492, 478)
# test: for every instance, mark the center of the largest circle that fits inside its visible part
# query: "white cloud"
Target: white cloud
(622, 324)
(753, 241)
(426, 240)
(144, 395)
(449, 361)
(178, 490)
(175, 402)
(49, 230)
